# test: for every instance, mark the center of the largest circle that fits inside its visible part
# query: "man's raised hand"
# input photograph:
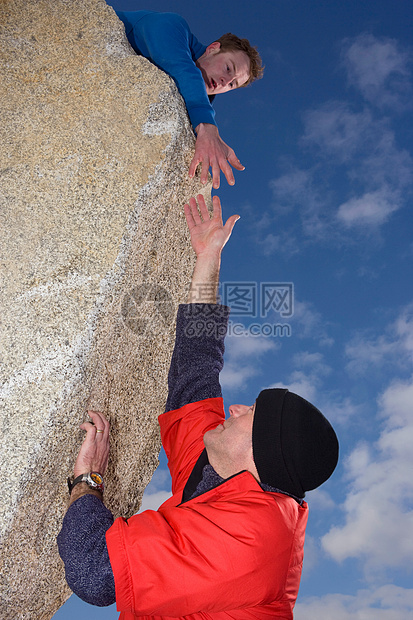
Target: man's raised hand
(208, 234)
(211, 151)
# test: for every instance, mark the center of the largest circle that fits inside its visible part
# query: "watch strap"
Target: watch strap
(93, 479)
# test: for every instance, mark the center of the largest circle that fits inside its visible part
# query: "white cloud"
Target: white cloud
(310, 323)
(336, 130)
(371, 209)
(396, 407)
(385, 172)
(374, 162)
(300, 384)
(298, 190)
(241, 359)
(157, 491)
(394, 347)
(320, 500)
(291, 188)
(307, 381)
(152, 501)
(236, 376)
(378, 528)
(338, 409)
(248, 346)
(307, 376)
(379, 69)
(311, 555)
(388, 602)
(357, 145)
(384, 165)
(284, 243)
(315, 361)
(403, 328)
(364, 352)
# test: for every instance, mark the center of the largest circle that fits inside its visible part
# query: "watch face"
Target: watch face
(97, 478)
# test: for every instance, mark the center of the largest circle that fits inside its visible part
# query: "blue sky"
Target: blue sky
(326, 206)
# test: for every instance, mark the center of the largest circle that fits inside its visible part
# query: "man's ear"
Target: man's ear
(213, 48)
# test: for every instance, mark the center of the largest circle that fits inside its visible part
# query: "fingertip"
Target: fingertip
(239, 166)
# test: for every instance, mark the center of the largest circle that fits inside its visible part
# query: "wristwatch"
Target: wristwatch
(93, 479)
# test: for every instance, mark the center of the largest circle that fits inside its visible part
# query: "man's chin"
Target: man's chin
(209, 435)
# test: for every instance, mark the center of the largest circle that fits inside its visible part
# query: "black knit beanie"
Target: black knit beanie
(295, 447)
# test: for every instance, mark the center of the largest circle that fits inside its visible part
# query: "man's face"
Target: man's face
(230, 443)
(223, 71)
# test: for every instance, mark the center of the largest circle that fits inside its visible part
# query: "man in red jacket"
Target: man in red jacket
(229, 542)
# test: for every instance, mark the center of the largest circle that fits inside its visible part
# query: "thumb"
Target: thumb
(193, 165)
(230, 223)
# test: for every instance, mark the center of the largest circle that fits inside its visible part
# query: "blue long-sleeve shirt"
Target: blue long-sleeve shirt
(194, 375)
(166, 40)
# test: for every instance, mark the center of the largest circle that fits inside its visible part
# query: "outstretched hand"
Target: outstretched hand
(211, 151)
(94, 452)
(208, 234)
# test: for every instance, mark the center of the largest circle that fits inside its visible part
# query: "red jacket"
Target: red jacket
(234, 552)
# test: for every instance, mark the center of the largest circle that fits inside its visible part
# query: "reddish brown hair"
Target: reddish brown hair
(230, 42)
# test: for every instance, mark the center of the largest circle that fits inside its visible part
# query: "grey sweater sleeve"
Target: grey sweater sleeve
(82, 547)
(197, 359)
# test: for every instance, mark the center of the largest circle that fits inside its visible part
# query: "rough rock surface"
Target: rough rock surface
(95, 145)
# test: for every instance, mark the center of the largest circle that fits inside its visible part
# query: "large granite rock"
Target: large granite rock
(94, 152)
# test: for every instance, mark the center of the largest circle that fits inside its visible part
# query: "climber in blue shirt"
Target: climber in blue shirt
(200, 72)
